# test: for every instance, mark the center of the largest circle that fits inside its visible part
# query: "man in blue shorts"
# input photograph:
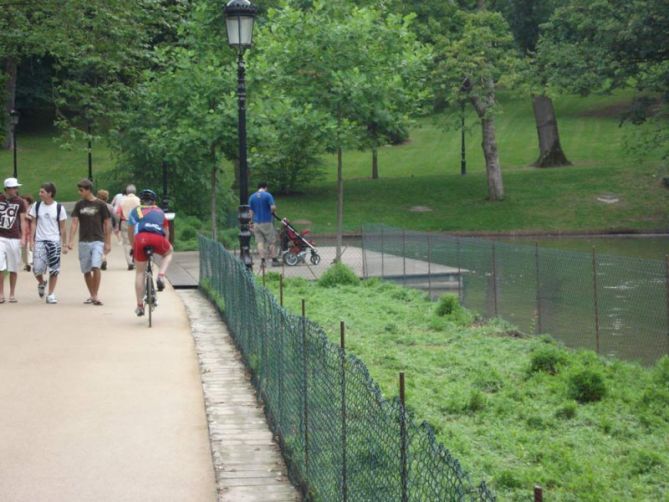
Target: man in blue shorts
(262, 210)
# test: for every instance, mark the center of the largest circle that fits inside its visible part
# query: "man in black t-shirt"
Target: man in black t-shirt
(91, 217)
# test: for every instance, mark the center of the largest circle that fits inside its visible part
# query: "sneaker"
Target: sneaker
(27, 268)
(276, 262)
(104, 265)
(160, 282)
(51, 298)
(40, 289)
(139, 311)
(131, 267)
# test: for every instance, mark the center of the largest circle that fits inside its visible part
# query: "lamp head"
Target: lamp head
(239, 17)
(14, 117)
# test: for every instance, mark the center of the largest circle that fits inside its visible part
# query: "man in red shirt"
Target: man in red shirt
(13, 235)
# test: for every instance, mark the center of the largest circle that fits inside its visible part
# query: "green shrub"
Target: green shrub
(587, 385)
(547, 360)
(567, 411)
(661, 372)
(229, 237)
(187, 234)
(477, 401)
(338, 275)
(448, 304)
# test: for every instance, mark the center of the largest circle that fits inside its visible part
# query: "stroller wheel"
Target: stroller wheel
(315, 259)
(290, 259)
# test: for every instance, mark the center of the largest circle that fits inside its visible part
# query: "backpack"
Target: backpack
(58, 207)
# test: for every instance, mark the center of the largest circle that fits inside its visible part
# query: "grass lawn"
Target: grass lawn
(504, 421)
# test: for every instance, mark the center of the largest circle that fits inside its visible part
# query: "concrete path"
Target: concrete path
(95, 405)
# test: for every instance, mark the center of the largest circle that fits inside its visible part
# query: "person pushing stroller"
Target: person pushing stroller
(263, 208)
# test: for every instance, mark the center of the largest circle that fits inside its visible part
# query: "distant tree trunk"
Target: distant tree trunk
(340, 205)
(375, 163)
(214, 170)
(550, 150)
(10, 99)
(235, 165)
(489, 144)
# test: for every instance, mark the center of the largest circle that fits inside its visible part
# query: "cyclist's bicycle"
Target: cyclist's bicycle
(150, 302)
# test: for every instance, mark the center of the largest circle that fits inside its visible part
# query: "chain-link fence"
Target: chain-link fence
(612, 304)
(342, 440)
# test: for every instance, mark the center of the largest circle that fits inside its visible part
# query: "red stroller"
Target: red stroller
(294, 246)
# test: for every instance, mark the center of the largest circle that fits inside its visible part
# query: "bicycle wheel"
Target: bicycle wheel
(149, 294)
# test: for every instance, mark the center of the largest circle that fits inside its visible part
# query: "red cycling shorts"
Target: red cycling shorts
(159, 243)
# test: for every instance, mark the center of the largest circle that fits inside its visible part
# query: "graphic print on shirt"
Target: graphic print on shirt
(89, 210)
(8, 213)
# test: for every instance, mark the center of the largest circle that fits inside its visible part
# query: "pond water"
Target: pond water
(654, 247)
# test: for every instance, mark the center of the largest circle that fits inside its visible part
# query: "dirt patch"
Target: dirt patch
(420, 209)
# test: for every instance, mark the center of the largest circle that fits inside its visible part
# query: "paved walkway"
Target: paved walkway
(95, 405)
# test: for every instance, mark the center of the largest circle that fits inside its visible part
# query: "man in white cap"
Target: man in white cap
(13, 235)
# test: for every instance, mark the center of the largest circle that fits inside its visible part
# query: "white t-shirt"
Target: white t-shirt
(47, 224)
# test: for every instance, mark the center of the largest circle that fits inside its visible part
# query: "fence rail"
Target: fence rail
(612, 304)
(342, 440)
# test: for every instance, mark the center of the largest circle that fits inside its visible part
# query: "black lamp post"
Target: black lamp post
(239, 17)
(90, 151)
(464, 88)
(14, 121)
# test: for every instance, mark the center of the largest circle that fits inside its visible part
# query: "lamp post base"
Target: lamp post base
(245, 236)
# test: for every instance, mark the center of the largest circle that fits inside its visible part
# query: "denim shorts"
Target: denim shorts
(90, 255)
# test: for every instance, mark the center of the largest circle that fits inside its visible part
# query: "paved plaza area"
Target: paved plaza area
(97, 406)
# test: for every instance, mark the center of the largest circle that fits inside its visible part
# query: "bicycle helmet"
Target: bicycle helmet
(147, 194)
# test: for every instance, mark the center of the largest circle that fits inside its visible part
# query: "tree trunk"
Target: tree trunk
(489, 144)
(550, 150)
(10, 100)
(340, 205)
(375, 163)
(214, 169)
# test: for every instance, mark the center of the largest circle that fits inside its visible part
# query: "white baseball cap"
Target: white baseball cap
(12, 183)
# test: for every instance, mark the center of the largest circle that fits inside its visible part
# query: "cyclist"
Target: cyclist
(147, 226)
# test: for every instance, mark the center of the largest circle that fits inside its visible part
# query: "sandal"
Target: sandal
(13, 300)
(88, 300)
(97, 302)
(2, 300)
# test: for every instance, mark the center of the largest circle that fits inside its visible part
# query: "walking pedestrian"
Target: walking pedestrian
(147, 226)
(127, 204)
(26, 250)
(91, 217)
(13, 235)
(47, 239)
(262, 211)
(103, 195)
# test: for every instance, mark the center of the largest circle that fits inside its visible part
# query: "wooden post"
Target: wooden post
(344, 480)
(538, 494)
(594, 297)
(403, 443)
(281, 290)
(539, 327)
(404, 257)
(460, 281)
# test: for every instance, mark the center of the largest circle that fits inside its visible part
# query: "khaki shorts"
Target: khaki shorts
(10, 254)
(265, 234)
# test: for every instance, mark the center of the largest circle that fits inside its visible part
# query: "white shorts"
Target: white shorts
(90, 255)
(10, 254)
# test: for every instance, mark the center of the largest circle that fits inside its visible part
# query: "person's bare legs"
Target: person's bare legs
(92, 279)
(140, 269)
(53, 280)
(2, 284)
(12, 283)
(165, 262)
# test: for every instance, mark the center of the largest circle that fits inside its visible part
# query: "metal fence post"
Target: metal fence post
(539, 327)
(460, 281)
(494, 279)
(382, 252)
(429, 265)
(404, 257)
(281, 290)
(364, 252)
(305, 410)
(594, 297)
(344, 480)
(666, 268)
(403, 443)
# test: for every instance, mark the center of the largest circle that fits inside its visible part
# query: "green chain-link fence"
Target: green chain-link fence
(342, 440)
(615, 305)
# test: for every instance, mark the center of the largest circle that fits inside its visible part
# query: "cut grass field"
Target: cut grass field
(510, 409)
(426, 172)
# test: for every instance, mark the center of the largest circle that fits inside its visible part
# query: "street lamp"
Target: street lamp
(14, 121)
(90, 151)
(165, 204)
(239, 17)
(465, 88)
